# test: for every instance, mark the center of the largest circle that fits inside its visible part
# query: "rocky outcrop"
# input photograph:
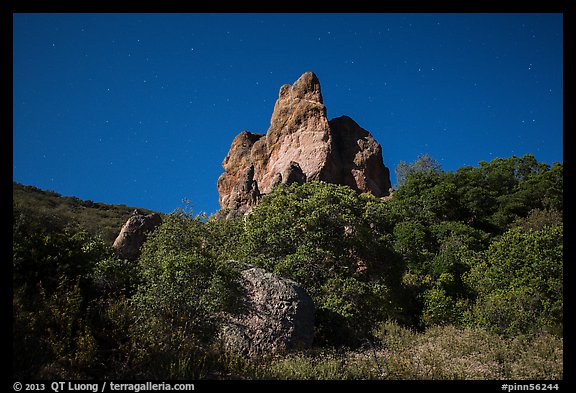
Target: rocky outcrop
(278, 315)
(238, 190)
(359, 158)
(133, 234)
(300, 145)
(299, 133)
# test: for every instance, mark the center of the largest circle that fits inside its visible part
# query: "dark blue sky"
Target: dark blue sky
(141, 109)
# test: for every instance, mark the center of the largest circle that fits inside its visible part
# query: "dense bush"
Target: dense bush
(178, 305)
(319, 235)
(52, 283)
(442, 222)
(519, 282)
(51, 337)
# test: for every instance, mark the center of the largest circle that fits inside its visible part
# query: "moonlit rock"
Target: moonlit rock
(300, 145)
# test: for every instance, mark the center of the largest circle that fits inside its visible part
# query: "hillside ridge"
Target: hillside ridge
(59, 211)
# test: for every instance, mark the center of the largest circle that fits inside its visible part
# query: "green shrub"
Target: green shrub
(319, 235)
(442, 309)
(51, 337)
(113, 276)
(48, 257)
(179, 303)
(519, 282)
(54, 335)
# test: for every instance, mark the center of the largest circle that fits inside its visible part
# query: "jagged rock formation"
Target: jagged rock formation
(278, 315)
(133, 234)
(238, 189)
(360, 160)
(300, 145)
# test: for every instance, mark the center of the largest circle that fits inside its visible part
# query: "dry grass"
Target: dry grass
(444, 353)
(469, 353)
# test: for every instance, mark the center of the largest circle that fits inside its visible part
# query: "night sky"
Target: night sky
(140, 109)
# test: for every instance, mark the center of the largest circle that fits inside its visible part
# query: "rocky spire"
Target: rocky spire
(300, 145)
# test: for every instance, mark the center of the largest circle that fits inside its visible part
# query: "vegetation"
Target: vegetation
(441, 352)
(55, 211)
(319, 235)
(457, 276)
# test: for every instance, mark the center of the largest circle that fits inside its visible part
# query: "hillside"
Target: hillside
(57, 211)
(457, 276)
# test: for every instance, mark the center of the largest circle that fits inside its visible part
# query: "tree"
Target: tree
(439, 220)
(424, 163)
(497, 193)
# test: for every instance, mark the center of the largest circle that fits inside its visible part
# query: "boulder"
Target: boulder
(277, 316)
(133, 234)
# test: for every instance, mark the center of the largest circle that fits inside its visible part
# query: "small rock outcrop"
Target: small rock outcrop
(300, 145)
(133, 234)
(278, 315)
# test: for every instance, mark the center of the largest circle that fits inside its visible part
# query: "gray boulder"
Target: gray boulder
(278, 316)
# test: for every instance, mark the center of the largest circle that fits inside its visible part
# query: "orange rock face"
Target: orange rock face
(300, 145)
